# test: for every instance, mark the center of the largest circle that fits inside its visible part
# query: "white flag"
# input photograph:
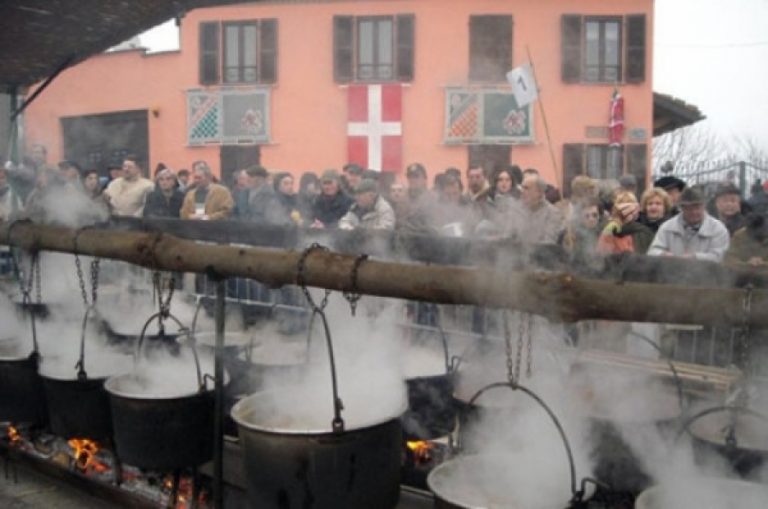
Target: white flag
(523, 85)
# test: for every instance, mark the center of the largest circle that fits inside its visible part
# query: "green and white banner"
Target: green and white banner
(480, 116)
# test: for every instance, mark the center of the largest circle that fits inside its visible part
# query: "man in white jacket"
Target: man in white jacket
(693, 233)
(370, 210)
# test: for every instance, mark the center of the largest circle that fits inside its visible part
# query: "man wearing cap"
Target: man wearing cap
(352, 175)
(693, 233)
(331, 204)
(674, 187)
(370, 211)
(727, 207)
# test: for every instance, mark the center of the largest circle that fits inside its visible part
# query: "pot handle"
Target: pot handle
(675, 374)
(159, 316)
(730, 438)
(569, 453)
(80, 365)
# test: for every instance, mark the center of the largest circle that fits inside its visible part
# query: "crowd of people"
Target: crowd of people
(598, 217)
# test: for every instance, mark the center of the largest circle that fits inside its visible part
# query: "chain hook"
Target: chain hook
(352, 295)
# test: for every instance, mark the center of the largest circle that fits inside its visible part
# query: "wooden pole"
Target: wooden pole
(558, 296)
(544, 119)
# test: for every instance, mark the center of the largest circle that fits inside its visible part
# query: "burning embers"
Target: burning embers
(14, 438)
(84, 455)
(421, 451)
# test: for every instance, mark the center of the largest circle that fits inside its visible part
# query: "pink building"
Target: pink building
(308, 85)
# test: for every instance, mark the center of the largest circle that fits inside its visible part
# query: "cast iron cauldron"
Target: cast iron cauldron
(479, 481)
(163, 431)
(288, 467)
(738, 434)
(21, 389)
(78, 404)
(430, 380)
(705, 493)
(617, 405)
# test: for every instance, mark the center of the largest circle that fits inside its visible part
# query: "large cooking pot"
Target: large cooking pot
(163, 430)
(739, 434)
(78, 404)
(21, 390)
(704, 493)
(288, 466)
(430, 380)
(475, 480)
(617, 405)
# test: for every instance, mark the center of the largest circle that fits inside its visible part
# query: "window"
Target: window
(604, 162)
(489, 157)
(490, 48)
(603, 49)
(238, 52)
(378, 48)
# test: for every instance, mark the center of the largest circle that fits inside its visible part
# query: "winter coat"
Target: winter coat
(329, 209)
(709, 242)
(745, 245)
(629, 238)
(264, 207)
(379, 217)
(652, 224)
(160, 205)
(218, 203)
(542, 225)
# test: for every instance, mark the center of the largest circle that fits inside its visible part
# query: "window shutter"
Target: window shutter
(490, 48)
(635, 48)
(268, 51)
(342, 49)
(637, 164)
(209, 53)
(405, 43)
(571, 48)
(573, 165)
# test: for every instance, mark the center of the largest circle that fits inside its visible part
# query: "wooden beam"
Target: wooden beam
(558, 296)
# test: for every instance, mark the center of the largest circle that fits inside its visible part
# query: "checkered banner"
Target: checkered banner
(486, 116)
(227, 116)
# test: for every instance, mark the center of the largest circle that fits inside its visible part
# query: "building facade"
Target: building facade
(308, 85)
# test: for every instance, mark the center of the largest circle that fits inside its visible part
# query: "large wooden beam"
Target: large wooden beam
(558, 296)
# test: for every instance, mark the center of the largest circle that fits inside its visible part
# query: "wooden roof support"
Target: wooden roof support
(558, 296)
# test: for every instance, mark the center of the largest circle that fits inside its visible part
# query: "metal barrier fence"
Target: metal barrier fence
(743, 174)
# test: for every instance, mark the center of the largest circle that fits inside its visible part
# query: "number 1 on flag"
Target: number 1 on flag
(523, 85)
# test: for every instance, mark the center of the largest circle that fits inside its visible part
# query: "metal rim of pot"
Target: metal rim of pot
(646, 499)
(112, 384)
(245, 405)
(577, 494)
(730, 439)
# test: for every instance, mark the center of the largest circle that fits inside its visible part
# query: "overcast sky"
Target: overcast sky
(710, 53)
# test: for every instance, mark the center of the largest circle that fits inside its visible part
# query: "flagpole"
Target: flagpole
(544, 118)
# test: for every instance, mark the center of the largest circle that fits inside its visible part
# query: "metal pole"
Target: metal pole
(218, 423)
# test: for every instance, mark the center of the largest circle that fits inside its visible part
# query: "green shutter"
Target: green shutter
(570, 64)
(209, 53)
(635, 69)
(343, 38)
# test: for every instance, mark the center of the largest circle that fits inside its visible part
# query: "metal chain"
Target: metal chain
(351, 295)
(508, 344)
(95, 264)
(302, 282)
(94, 273)
(745, 330)
(529, 360)
(520, 337)
(337, 424)
(38, 278)
(81, 279)
(163, 301)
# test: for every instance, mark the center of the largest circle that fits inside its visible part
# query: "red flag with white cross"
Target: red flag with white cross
(374, 128)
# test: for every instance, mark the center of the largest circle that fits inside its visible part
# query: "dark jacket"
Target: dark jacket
(158, 205)
(329, 209)
(263, 206)
(651, 224)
